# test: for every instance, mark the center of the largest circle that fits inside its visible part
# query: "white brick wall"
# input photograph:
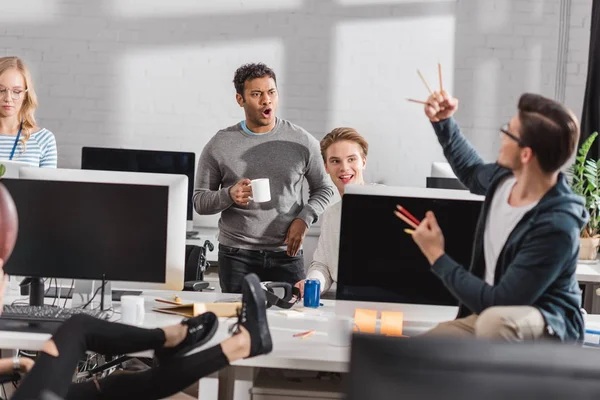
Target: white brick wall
(155, 74)
(579, 42)
(505, 48)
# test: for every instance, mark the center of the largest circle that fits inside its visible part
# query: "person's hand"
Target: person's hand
(300, 285)
(3, 284)
(240, 192)
(25, 364)
(440, 106)
(295, 236)
(428, 236)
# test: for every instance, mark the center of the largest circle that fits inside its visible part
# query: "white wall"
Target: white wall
(507, 47)
(157, 75)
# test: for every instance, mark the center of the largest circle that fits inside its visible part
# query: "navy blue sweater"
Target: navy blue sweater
(537, 265)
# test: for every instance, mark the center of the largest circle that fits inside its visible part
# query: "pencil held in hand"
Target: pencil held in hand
(409, 231)
(405, 219)
(408, 214)
(425, 82)
(440, 76)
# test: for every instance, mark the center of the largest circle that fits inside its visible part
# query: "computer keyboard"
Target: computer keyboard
(47, 313)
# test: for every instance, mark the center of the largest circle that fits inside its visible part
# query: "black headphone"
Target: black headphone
(287, 301)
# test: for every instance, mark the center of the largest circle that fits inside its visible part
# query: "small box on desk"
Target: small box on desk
(226, 310)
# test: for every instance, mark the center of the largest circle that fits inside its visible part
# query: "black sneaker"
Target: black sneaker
(253, 316)
(200, 330)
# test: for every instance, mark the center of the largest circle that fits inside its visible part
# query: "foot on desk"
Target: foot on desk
(252, 319)
(200, 329)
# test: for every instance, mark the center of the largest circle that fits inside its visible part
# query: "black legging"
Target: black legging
(82, 333)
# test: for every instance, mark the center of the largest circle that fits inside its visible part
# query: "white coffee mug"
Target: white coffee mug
(261, 190)
(132, 310)
(339, 332)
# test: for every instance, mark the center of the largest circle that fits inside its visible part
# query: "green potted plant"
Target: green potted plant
(585, 181)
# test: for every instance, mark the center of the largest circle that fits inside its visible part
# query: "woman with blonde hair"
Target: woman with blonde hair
(20, 138)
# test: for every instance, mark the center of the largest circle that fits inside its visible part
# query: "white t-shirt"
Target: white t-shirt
(324, 265)
(501, 220)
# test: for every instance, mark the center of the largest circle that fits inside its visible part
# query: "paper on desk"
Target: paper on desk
(301, 312)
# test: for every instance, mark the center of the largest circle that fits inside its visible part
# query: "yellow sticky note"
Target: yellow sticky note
(391, 323)
(365, 320)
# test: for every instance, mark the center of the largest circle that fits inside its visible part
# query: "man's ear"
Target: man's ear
(239, 99)
(526, 155)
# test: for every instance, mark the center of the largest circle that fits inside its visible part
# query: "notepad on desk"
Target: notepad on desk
(225, 309)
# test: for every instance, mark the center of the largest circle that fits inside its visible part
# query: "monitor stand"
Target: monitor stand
(36, 290)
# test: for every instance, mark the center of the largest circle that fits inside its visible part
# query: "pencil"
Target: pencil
(418, 101)
(303, 333)
(409, 231)
(310, 333)
(424, 82)
(408, 214)
(440, 76)
(405, 219)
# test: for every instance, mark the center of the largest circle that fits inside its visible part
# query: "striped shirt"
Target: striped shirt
(39, 152)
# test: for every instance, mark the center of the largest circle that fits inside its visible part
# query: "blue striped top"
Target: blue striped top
(39, 152)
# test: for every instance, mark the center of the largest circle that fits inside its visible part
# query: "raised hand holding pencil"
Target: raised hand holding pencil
(439, 105)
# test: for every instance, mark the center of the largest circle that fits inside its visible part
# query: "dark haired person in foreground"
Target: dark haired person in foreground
(51, 375)
(521, 283)
(263, 238)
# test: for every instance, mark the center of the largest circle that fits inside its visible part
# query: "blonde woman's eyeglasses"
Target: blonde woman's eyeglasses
(15, 94)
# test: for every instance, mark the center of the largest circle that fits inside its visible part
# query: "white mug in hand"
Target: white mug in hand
(132, 310)
(339, 332)
(261, 190)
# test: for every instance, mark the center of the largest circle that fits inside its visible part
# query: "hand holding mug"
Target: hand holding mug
(240, 192)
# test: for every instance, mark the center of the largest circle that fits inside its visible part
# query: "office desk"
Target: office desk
(588, 274)
(313, 353)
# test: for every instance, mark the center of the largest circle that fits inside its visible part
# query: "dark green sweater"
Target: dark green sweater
(537, 265)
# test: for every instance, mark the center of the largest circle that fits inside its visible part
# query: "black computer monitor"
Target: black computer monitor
(84, 230)
(443, 368)
(444, 183)
(131, 160)
(379, 262)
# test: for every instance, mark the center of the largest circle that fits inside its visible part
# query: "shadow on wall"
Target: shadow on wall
(504, 48)
(75, 57)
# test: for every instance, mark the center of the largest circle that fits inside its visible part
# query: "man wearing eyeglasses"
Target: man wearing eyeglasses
(521, 283)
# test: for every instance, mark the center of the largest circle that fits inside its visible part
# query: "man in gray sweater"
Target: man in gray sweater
(264, 238)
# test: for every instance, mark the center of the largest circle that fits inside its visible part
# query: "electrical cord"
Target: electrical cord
(94, 296)
(55, 292)
(69, 293)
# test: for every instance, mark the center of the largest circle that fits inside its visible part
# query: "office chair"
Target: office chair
(195, 266)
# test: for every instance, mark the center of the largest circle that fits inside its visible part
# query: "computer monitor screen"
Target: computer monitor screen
(162, 162)
(379, 262)
(176, 225)
(424, 368)
(83, 230)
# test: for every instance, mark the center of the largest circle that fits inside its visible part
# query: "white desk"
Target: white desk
(313, 353)
(588, 274)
